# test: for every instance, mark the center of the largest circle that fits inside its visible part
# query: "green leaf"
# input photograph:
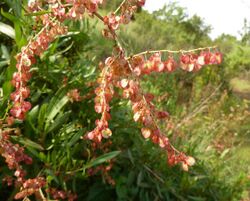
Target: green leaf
(5, 52)
(32, 116)
(91, 73)
(16, 5)
(102, 159)
(52, 175)
(57, 107)
(75, 138)
(56, 104)
(28, 142)
(58, 122)
(38, 13)
(4, 63)
(10, 17)
(34, 152)
(41, 117)
(33, 113)
(20, 40)
(42, 157)
(7, 86)
(7, 30)
(18, 33)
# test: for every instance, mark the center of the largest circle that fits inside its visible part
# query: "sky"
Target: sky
(225, 16)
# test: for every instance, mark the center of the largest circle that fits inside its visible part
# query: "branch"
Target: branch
(98, 16)
(174, 51)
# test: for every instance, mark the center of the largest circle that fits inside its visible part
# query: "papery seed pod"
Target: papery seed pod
(218, 56)
(201, 60)
(162, 114)
(26, 106)
(124, 83)
(107, 34)
(190, 161)
(184, 166)
(146, 132)
(185, 59)
(161, 67)
(170, 65)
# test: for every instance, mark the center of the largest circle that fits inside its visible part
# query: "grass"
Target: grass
(241, 87)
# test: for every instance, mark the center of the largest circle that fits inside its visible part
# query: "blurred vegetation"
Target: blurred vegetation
(209, 112)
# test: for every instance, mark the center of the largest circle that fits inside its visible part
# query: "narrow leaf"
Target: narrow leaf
(28, 142)
(102, 159)
(58, 122)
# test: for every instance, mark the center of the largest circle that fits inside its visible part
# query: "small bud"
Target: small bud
(185, 167)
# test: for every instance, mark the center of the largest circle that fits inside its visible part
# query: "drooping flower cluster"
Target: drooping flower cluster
(15, 158)
(79, 7)
(14, 155)
(144, 112)
(25, 59)
(115, 68)
(72, 9)
(127, 10)
(142, 106)
(194, 62)
(188, 62)
(104, 94)
(19, 81)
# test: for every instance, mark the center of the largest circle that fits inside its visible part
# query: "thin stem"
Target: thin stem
(174, 51)
(104, 83)
(120, 6)
(98, 16)
(41, 194)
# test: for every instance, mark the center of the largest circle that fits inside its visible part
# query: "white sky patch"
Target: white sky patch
(225, 16)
